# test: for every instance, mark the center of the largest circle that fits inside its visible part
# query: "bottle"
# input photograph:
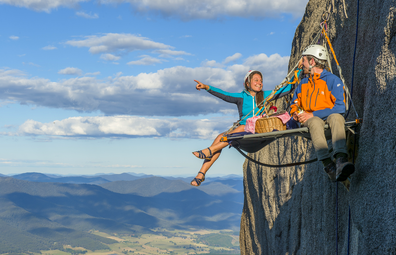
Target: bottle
(299, 109)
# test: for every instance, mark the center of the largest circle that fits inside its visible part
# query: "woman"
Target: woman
(247, 100)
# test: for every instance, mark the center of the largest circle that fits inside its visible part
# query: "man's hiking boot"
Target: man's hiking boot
(331, 169)
(344, 169)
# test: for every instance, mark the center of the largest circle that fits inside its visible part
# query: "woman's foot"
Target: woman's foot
(198, 179)
(203, 154)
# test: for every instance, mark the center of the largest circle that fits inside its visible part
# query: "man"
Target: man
(318, 100)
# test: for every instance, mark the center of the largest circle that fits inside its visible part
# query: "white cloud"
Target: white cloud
(167, 53)
(49, 47)
(272, 67)
(125, 126)
(211, 63)
(166, 92)
(113, 42)
(109, 57)
(232, 58)
(94, 74)
(70, 71)
(87, 16)
(14, 37)
(185, 9)
(213, 9)
(145, 61)
(42, 5)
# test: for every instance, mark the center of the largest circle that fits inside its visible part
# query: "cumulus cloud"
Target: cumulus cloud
(211, 63)
(113, 42)
(14, 37)
(271, 67)
(185, 9)
(232, 58)
(214, 9)
(95, 73)
(87, 15)
(167, 92)
(145, 61)
(167, 53)
(70, 71)
(42, 5)
(125, 126)
(49, 47)
(214, 63)
(109, 57)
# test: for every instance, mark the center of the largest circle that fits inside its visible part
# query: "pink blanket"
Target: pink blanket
(251, 122)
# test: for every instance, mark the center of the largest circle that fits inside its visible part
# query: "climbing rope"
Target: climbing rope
(268, 165)
(281, 85)
(354, 53)
(337, 218)
(355, 136)
(349, 96)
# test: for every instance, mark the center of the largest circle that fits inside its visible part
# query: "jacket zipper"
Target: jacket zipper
(310, 98)
(254, 106)
(316, 99)
(306, 99)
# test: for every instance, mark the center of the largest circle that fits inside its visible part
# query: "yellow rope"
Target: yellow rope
(331, 47)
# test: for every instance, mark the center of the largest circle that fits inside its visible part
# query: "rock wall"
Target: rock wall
(297, 210)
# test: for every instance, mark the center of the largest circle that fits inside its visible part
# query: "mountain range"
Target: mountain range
(48, 212)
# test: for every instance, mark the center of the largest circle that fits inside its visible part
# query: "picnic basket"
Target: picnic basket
(268, 124)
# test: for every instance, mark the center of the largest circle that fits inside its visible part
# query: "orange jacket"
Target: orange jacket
(322, 94)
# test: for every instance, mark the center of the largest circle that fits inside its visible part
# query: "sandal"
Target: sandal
(202, 155)
(197, 180)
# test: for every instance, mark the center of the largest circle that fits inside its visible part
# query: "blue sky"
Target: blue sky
(107, 86)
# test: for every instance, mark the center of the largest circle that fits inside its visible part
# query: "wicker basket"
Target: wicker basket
(267, 124)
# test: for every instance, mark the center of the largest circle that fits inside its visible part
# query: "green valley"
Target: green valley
(163, 241)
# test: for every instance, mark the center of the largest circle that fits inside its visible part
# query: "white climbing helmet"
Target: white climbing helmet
(247, 76)
(318, 51)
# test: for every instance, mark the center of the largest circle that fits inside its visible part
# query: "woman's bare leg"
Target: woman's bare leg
(217, 145)
(216, 148)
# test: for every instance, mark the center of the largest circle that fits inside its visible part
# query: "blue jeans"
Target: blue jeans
(336, 123)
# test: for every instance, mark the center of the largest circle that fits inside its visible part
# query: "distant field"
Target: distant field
(162, 241)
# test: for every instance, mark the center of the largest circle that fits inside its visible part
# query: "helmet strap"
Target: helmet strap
(309, 63)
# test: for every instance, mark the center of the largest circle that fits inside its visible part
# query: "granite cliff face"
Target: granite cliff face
(294, 210)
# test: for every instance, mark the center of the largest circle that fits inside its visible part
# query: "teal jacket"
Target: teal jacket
(245, 102)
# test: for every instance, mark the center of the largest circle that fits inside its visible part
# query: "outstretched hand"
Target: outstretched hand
(200, 85)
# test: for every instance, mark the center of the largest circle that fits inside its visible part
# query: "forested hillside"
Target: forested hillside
(47, 215)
